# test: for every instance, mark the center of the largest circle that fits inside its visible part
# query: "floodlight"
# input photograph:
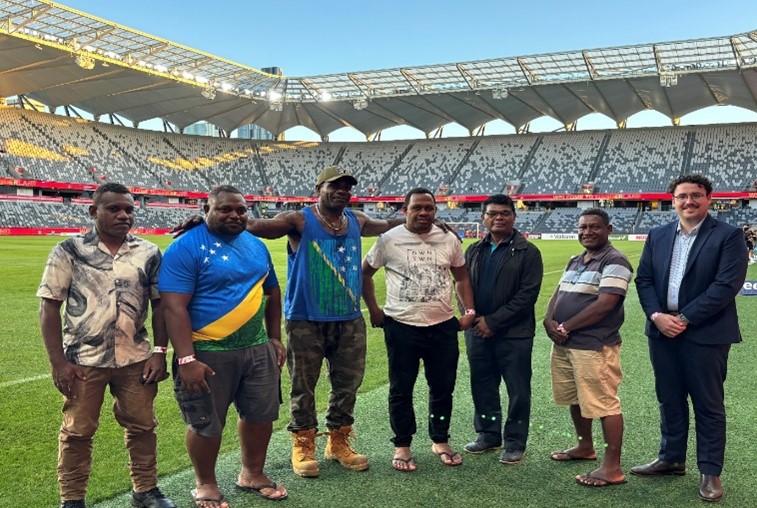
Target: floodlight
(277, 106)
(360, 104)
(668, 79)
(325, 97)
(500, 93)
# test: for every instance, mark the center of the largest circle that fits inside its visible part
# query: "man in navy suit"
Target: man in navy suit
(687, 280)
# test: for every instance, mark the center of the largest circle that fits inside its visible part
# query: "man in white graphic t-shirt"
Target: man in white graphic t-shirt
(419, 322)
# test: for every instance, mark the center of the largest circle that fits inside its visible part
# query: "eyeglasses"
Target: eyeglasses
(696, 196)
(504, 215)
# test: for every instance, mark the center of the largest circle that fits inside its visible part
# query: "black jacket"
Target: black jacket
(518, 283)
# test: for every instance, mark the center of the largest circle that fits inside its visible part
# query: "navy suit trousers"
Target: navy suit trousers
(683, 369)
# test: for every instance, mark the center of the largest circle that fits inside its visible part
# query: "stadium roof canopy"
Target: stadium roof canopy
(63, 57)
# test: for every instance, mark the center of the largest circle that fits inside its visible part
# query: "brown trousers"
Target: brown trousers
(133, 409)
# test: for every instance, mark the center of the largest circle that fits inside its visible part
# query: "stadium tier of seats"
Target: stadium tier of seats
(57, 148)
(45, 147)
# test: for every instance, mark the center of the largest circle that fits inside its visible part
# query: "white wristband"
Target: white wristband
(160, 350)
(470, 312)
(186, 359)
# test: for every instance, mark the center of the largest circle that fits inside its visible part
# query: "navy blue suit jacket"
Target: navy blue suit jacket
(715, 273)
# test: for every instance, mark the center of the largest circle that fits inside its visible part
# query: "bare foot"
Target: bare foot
(208, 496)
(262, 486)
(601, 478)
(575, 453)
(403, 459)
(446, 454)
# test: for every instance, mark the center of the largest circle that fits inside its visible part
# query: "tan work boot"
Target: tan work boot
(303, 454)
(338, 448)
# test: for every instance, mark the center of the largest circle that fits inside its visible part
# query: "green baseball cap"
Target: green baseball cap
(334, 173)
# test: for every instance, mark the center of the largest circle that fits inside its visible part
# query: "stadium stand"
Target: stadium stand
(45, 147)
(428, 163)
(561, 163)
(642, 160)
(495, 161)
(726, 154)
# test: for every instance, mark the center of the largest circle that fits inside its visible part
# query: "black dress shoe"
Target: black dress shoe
(659, 467)
(151, 499)
(710, 488)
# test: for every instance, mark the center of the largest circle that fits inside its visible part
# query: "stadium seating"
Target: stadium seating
(428, 163)
(561, 163)
(495, 161)
(40, 146)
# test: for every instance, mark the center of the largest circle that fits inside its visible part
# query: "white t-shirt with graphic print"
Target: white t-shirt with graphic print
(418, 279)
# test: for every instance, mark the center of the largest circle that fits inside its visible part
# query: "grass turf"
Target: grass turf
(30, 416)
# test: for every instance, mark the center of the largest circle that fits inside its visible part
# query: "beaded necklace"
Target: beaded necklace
(336, 229)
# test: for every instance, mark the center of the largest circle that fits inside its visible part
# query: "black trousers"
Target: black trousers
(683, 369)
(492, 360)
(406, 346)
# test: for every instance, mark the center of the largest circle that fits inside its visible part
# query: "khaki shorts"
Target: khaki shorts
(587, 378)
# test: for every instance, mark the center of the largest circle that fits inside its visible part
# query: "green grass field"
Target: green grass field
(30, 418)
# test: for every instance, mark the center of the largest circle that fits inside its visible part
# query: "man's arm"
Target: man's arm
(64, 372)
(729, 278)
(550, 325)
(273, 322)
(645, 280)
(282, 224)
(374, 227)
(669, 326)
(179, 327)
(594, 313)
(155, 370)
(369, 296)
(464, 292)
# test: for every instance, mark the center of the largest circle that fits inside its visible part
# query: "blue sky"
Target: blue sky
(307, 38)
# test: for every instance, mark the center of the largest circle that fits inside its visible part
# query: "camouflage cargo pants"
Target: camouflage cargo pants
(343, 345)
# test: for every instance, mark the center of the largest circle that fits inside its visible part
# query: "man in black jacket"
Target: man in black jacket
(506, 272)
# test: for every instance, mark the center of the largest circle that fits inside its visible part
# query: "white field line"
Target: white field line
(14, 382)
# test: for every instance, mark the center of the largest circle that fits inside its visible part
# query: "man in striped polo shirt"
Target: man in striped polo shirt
(583, 320)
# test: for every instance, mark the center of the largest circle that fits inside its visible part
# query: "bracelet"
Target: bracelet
(160, 349)
(186, 359)
(654, 316)
(470, 312)
(561, 328)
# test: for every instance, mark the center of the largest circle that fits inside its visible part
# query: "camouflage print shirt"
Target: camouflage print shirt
(106, 298)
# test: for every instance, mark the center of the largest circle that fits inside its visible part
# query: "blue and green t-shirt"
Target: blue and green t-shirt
(227, 277)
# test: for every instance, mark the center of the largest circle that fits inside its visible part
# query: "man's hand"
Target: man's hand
(557, 336)
(281, 351)
(481, 329)
(189, 223)
(64, 377)
(669, 326)
(192, 376)
(466, 321)
(154, 370)
(377, 317)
